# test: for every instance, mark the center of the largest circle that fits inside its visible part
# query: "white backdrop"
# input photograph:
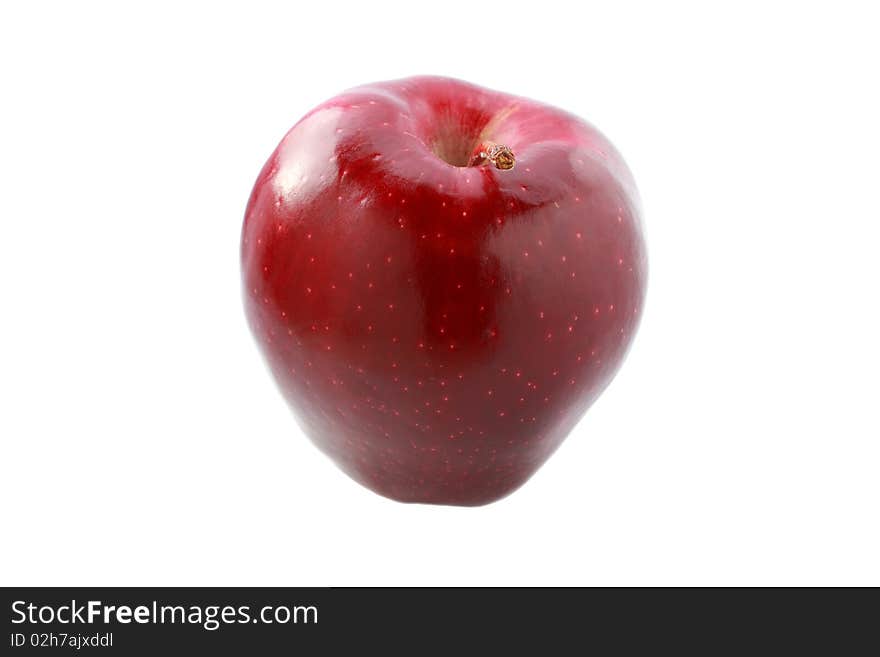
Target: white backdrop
(143, 441)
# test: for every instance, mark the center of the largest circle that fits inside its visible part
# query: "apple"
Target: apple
(442, 279)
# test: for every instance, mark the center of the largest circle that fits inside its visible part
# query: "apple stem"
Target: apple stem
(498, 154)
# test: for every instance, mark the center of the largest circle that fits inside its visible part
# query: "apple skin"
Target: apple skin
(438, 330)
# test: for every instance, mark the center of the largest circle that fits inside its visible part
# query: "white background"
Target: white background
(143, 441)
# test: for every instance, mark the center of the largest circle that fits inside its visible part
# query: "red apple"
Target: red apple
(442, 279)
